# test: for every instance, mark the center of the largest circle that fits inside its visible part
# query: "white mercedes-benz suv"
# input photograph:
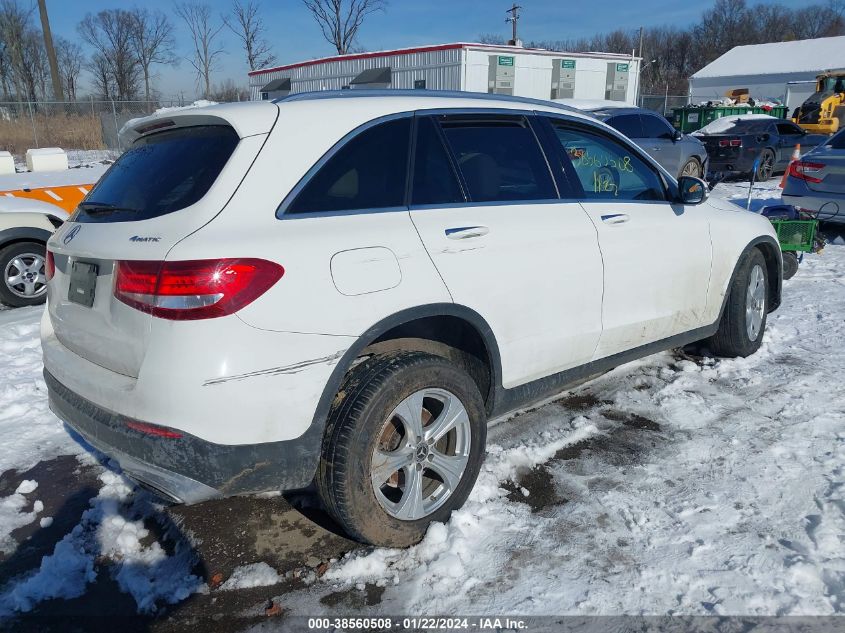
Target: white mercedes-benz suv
(336, 291)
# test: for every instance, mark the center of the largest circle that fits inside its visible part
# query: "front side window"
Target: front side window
(657, 127)
(367, 172)
(499, 159)
(607, 169)
(628, 124)
(789, 129)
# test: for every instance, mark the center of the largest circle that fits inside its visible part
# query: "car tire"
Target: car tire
(767, 166)
(370, 421)
(790, 264)
(691, 168)
(23, 262)
(743, 321)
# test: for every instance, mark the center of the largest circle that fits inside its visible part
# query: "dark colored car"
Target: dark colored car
(677, 153)
(739, 142)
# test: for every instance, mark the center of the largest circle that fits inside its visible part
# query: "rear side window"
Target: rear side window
(434, 179)
(628, 124)
(159, 174)
(656, 127)
(368, 172)
(606, 169)
(837, 141)
(499, 159)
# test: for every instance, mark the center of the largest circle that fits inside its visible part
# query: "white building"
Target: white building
(782, 71)
(511, 70)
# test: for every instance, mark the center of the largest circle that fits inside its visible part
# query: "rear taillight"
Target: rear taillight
(734, 142)
(196, 289)
(49, 266)
(805, 170)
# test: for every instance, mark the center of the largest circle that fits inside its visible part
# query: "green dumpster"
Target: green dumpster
(691, 119)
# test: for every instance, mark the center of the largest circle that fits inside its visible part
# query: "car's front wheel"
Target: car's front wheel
(23, 267)
(743, 320)
(691, 168)
(403, 447)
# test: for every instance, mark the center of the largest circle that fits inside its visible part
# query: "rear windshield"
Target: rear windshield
(837, 141)
(161, 173)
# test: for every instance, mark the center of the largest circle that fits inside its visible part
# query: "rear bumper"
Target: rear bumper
(188, 469)
(829, 208)
(741, 164)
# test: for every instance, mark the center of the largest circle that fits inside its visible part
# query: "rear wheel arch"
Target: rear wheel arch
(452, 331)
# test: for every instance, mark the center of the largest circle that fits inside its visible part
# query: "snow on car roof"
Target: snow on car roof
(727, 123)
(777, 58)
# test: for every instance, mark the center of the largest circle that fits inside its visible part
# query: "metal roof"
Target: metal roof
(778, 58)
(493, 48)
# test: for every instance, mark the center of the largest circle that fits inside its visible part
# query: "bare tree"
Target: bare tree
(16, 33)
(70, 59)
(101, 72)
(204, 34)
(51, 52)
(248, 26)
(339, 20)
(228, 91)
(152, 41)
(109, 33)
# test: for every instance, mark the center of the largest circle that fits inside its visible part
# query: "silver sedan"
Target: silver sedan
(817, 181)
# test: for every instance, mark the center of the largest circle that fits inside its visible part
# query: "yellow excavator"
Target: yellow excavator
(824, 111)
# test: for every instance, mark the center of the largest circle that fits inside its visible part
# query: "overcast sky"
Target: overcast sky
(295, 36)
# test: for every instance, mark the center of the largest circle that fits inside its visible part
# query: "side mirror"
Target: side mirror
(677, 135)
(693, 190)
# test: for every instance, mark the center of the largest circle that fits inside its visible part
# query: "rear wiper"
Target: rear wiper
(93, 208)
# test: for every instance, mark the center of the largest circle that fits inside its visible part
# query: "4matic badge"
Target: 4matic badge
(138, 238)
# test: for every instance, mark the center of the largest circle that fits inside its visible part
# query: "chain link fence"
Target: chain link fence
(663, 104)
(71, 125)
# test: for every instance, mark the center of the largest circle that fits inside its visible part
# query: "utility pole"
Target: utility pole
(640, 51)
(58, 93)
(513, 18)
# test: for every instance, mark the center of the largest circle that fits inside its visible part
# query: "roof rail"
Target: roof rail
(419, 93)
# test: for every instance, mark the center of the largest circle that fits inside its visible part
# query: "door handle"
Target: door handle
(465, 232)
(615, 218)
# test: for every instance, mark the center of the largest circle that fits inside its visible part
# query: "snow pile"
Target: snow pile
(12, 515)
(30, 432)
(727, 123)
(254, 575)
(732, 507)
(112, 529)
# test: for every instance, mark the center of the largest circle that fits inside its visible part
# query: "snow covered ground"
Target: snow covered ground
(677, 484)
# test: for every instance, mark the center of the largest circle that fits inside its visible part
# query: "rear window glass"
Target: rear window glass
(837, 141)
(160, 174)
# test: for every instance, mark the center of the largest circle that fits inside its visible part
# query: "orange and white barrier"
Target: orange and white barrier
(66, 197)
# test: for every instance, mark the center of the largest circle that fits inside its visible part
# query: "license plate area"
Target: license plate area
(83, 282)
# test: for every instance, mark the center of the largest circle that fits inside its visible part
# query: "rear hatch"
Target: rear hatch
(177, 175)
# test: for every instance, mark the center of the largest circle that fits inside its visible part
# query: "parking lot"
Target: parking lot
(675, 484)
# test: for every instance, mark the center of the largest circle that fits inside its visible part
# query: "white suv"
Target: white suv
(340, 289)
